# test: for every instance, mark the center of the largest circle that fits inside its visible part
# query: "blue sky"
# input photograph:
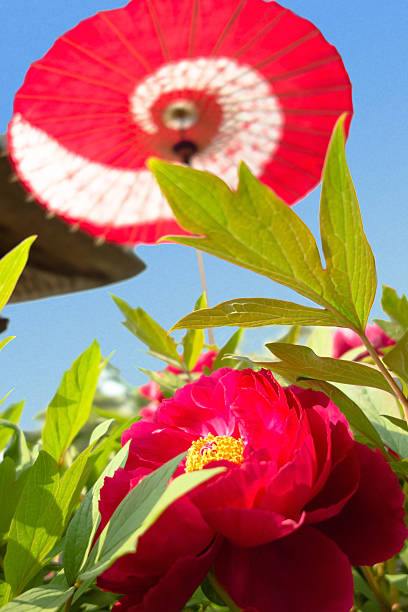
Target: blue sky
(50, 334)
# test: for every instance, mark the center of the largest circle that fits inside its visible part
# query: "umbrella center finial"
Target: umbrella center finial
(180, 115)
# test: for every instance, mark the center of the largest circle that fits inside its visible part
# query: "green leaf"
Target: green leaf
(352, 411)
(138, 511)
(397, 358)
(100, 430)
(11, 414)
(376, 404)
(5, 341)
(222, 361)
(36, 526)
(399, 581)
(251, 227)
(302, 362)
(149, 332)
(5, 593)
(193, 340)
(18, 450)
(256, 312)
(82, 529)
(349, 259)
(396, 307)
(392, 329)
(70, 408)
(167, 381)
(8, 494)
(292, 335)
(41, 598)
(11, 266)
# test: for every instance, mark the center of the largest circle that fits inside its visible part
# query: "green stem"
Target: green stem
(222, 593)
(384, 607)
(68, 603)
(385, 372)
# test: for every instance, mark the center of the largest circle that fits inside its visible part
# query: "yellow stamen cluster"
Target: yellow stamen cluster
(214, 448)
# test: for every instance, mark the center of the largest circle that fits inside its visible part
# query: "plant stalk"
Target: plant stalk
(368, 575)
(388, 377)
(222, 593)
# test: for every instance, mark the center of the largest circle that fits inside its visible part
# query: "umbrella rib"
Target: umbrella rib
(228, 27)
(300, 70)
(63, 119)
(74, 135)
(294, 93)
(269, 26)
(156, 24)
(96, 159)
(267, 60)
(99, 158)
(146, 65)
(79, 77)
(270, 58)
(68, 99)
(193, 28)
(98, 59)
(285, 186)
(111, 223)
(296, 167)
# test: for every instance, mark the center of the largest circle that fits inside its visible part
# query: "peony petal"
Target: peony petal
(305, 572)
(171, 592)
(371, 527)
(340, 486)
(250, 527)
(252, 505)
(200, 407)
(151, 445)
(180, 531)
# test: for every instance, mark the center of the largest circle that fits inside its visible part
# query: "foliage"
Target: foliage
(52, 546)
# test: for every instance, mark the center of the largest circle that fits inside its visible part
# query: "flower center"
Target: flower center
(214, 448)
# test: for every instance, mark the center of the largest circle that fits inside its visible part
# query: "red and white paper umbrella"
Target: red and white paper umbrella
(200, 81)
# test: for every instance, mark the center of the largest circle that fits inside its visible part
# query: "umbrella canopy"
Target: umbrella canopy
(60, 261)
(200, 81)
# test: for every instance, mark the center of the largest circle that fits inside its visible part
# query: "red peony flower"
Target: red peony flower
(299, 503)
(346, 339)
(152, 389)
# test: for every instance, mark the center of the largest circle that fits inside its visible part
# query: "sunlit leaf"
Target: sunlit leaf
(36, 526)
(253, 228)
(399, 581)
(138, 511)
(149, 332)
(11, 414)
(352, 411)
(40, 598)
(82, 529)
(349, 259)
(193, 340)
(221, 360)
(168, 382)
(397, 358)
(70, 408)
(302, 362)
(256, 312)
(18, 449)
(396, 307)
(11, 266)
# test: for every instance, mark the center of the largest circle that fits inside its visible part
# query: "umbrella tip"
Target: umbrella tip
(74, 227)
(100, 241)
(13, 178)
(185, 149)
(29, 198)
(50, 215)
